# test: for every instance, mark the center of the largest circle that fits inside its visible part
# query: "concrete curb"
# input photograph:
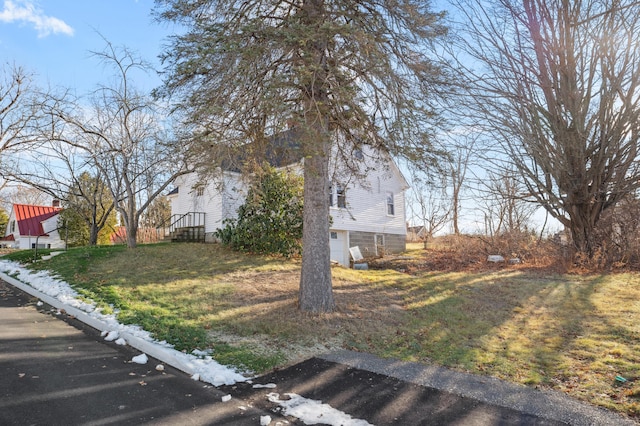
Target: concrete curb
(142, 345)
(547, 404)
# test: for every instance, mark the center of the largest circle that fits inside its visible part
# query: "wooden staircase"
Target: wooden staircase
(188, 227)
(189, 234)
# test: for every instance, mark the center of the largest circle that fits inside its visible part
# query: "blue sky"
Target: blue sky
(53, 38)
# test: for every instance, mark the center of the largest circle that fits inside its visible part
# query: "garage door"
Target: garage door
(338, 244)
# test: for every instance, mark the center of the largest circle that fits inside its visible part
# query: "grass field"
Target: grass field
(573, 333)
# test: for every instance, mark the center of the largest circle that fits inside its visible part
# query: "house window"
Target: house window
(13, 226)
(357, 153)
(200, 191)
(334, 235)
(390, 206)
(337, 196)
(341, 196)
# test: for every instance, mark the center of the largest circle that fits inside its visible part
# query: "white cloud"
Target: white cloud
(26, 12)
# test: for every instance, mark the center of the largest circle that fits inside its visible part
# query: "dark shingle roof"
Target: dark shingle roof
(279, 150)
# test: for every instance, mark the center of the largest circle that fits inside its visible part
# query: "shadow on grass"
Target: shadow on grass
(506, 322)
(512, 324)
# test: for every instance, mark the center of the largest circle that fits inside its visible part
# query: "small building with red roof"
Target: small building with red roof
(33, 226)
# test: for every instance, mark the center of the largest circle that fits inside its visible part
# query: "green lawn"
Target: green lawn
(573, 333)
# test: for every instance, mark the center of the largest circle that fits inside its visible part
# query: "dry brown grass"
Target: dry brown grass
(263, 308)
(468, 253)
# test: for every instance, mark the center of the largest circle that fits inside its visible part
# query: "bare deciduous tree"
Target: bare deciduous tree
(16, 109)
(462, 151)
(22, 194)
(430, 206)
(121, 135)
(558, 85)
(62, 171)
(505, 209)
(137, 155)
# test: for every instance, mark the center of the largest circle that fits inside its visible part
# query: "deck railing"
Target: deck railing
(183, 227)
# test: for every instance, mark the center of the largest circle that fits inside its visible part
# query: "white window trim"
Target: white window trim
(333, 196)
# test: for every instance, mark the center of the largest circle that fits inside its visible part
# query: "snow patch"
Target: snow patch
(198, 364)
(111, 336)
(140, 359)
(312, 412)
(265, 386)
(265, 420)
(201, 367)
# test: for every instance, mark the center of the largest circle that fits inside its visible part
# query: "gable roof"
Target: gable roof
(280, 150)
(30, 218)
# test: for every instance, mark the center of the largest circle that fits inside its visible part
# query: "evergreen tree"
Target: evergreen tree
(344, 72)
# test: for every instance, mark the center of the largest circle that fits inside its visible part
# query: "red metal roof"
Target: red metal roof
(30, 218)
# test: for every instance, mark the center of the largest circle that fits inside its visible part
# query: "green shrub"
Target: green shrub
(270, 220)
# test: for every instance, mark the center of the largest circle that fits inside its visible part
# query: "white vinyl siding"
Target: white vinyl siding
(367, 208)
(365, 204)
(52, 240)
(218, 201)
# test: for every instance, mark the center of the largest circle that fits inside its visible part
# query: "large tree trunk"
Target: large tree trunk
(130, 221)
(93, 234)
(132, 236)
(316, 293)
(584, 219)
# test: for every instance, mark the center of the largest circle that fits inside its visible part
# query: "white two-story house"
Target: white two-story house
(368, 211)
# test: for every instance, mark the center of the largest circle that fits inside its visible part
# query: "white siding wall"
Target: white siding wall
(53, 239)
(218, 200)
(15, 233)
(50, 227)
(366, 209)
(366, 201)
(233, 195)
(184, 201)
